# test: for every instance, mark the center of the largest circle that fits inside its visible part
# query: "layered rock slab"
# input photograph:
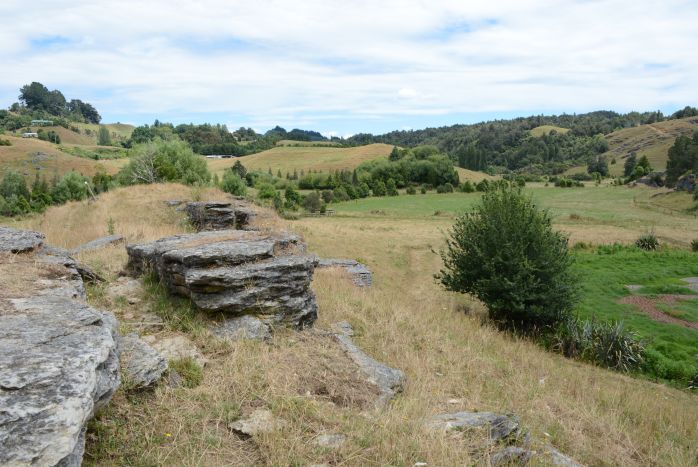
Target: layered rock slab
(58, 356)
(235, 273)
(220, 215)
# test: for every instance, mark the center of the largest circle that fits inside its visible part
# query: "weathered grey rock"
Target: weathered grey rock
(211, 215)
(98, 243)
(360, 274)
(550, 455)
(687, 183)
(258, 422)
(499, 427)
(243, 327)
(19, 241)
(173, 202)
(511, 455)
(330, 441)
(389, 381)
(59, 365)
(142, 364)
(175, 348)
(244, 216)
(236, 273)
(174, 379)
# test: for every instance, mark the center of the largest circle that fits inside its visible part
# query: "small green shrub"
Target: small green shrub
(266, 191)
(648, 242)
(5, 142)
(234, 184)
(411, 190)
(191, 372)
(694, 246)
(507, 254)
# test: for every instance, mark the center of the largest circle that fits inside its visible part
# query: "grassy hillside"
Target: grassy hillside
(22, 156)
(652, 141)
(546, 129)
(290, 142)
(452, 361)
(288, 158)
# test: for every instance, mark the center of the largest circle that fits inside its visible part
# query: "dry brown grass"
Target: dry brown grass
(20, 157)
(288, 159)
(406, 320)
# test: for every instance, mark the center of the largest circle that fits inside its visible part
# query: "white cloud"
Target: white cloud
(293, 63)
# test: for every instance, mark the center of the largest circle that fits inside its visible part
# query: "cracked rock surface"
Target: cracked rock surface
(235, 273)
(58, 356)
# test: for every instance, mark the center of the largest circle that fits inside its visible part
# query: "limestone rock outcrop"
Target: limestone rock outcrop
(142, 364)
(235, 273)
(389, 381)
(360, 274)
(58, 356)
(220, 215)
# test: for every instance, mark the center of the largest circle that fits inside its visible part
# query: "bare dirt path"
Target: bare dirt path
(647, 305)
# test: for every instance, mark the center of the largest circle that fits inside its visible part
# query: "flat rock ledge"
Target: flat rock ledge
(235, 273)
(58, 357)
(502, 429)
(220, 215)
(98, 243)
(390, 381)
(360, 274)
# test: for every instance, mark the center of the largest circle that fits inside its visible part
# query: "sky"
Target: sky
(344, 67)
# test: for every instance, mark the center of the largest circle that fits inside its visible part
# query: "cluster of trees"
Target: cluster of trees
(37, 97)
(205, 138)
(634, 168)
(503, 145)
(278, 133)
(16, 198)
(683, 158)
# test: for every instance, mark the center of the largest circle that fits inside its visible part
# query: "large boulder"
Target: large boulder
(59, 357)
(221, 215)
(687, 183)
(235, 273)
(142, 364)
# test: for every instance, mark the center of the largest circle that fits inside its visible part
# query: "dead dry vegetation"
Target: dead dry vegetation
(452, 360)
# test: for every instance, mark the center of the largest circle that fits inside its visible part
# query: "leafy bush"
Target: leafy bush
(507, 255)
(694, 246)
(411, 190)
(647, 242)
(165, 161)
(312, 202)
(605, 344)
(5, 142)
(266, 191)
(72, 187)
(445, 188)
(391, 188)
(232, 183)
(467, 187)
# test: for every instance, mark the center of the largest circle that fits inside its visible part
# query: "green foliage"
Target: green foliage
(165, 161)
(507, 255)
(266, 191)
(391, 188)
(191, 372)
(418, 165)
(232, 183)
(683, 158)
(630, 164)
(467, 187)
(378, 188)
(445, 188)
(598, 165)
(606, 344)
(239, 169)
(37, 97)
(292, 198)
(647, 242)
(103, 136)
(312, 202)
(694, 245)
(411, 190)
(72, 187)
(5, 142)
